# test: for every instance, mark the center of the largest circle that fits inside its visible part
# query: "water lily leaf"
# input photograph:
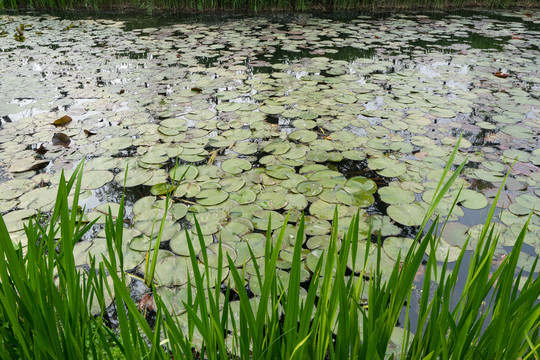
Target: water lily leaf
(359, 197)
(172, 270)
(277, 147)
(62, 121)
(187, 189)
(407, 214)
(137, 176)
(278, 171)
(162, 189)
(212, 251)
(175, 298)
(345, 98)
(490, 176)
(296, 202)
(455, 234)
(382, 225)
(272, 109)
(232, 184)
(323, 210)
(228, 106)
(272, 200)
(470, 199)
(261, 218)
(200, 115)
(245, 148)
(443, 113)
(61, 139)
(235, 166)
(356, 155)
(27, 164)
(117, 143)
(387, 167)
(178, 211)
(315, 226)
(183, 172)
(243, 196)
(310, 188)
(361, 183)
(444, 251)
(95, 179)
(303, 135)
(528, 201)
(394, 246)
(396, 195)
(211, 197)
(179, 243)
(519, 132)
(14, 188)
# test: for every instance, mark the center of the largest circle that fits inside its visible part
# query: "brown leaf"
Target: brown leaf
(500, 74)
(61, 139)
(41, 150)
(62, 121)
(196, 89)
(147, 302)
(89, 133)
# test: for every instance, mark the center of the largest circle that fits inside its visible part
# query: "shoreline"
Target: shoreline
(390, 6)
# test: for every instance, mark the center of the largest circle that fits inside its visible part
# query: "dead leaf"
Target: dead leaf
(147, 303)
(500, 74)
(41, 150)
(89, 133)
(62, 121)
(61, 139)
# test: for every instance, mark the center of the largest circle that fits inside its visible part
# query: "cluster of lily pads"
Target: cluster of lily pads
(269, 119)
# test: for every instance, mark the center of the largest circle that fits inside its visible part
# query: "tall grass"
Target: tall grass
(256, 5)
(45, 300)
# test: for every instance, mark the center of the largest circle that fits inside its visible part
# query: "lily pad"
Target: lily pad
(407, 214)
(235, 166)
(211, 197)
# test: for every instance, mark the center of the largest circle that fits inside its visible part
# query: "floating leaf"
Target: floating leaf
(61, 139)
(407, 214)
(235, 166)
(211, 197)
(62, 121)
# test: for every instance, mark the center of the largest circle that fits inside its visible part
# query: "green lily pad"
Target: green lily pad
(396, 246)
(396, 195)
(361, 183)
(360, 198)
(387, 167)
(407, 214)
(470, 199)
(183, 172)
(272, 109)
(137, 176)
(310, 188)
(211, 197)
(235, 166)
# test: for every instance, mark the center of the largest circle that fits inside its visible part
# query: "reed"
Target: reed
(45, 300)
(256, 5)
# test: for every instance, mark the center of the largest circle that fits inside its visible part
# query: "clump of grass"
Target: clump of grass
(44, 300)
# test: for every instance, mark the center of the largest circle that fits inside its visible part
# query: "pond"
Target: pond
(272, 115)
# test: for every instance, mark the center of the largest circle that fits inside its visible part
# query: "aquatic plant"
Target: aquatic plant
(46, 302)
